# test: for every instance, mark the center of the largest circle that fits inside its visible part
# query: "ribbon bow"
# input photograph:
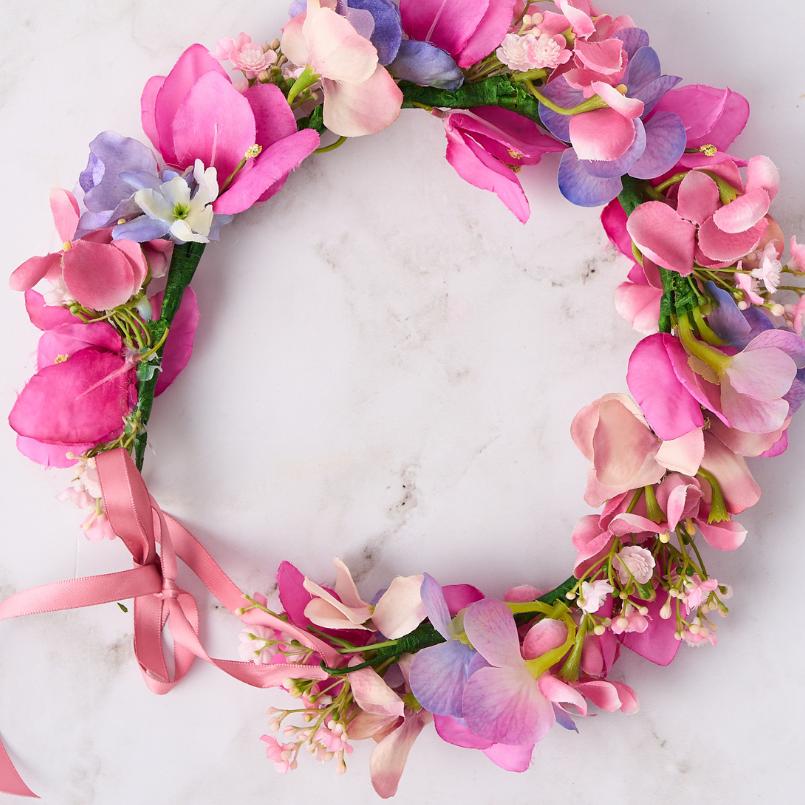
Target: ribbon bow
(158, 599)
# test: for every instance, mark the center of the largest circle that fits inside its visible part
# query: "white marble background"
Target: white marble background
(387, 369)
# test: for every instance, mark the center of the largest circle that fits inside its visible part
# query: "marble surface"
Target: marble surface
(387, 369)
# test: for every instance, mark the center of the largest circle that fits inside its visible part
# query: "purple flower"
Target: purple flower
(425, 64)
(107, 194)
(651, 148)
(438, 674)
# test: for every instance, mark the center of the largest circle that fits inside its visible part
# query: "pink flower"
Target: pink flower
(770, 268)
(250, 138)
(283, 756)
(797, 254)
(94, 272)
(630, 621)
(360, 97)
(532, 51)
(246, 55)
(468, 30)
(593, 595)
(702, 229)
(485, 147)
(503, 702)
(397, 612)
(634, 562)
(697, 590)
(624, 453)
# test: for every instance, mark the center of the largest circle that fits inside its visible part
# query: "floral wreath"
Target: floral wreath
(716, 378)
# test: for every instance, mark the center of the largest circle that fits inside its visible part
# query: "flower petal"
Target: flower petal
(373, 695)
(98, 275)
(665, 237)
(740, 489)
(427, 65)
(400, 609)
(657, 643)
(698, 197)
(580, 187)
(544, 636)
(34, 270)
(446, 23)
(65, 213)
(438, 675)
(743, 213)
(435, 606)
(727, 536)
(335, 49)
(725, 247)
(665, 144)
(274, 120)
(603, 134)
(181, 337)
(490, 628)
(389, 756)
(353, 110)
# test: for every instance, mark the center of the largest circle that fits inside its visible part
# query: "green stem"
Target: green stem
(184, 262)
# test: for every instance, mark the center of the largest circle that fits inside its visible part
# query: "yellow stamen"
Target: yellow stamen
(61, 358)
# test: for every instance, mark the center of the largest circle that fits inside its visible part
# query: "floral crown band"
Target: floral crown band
(715, 379)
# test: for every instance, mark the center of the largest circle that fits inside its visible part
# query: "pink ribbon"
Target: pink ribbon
(152, 583)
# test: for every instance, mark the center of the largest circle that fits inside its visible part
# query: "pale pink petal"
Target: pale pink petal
(797, 254)
(373, 695)
(628, 523)
(750, 414)
(581, 23)
(65, 213)
(589, 539)
(562, 694)
(544, 636)
(601, 693)
(389, 756)
(353, 110)
(684, 454)
(629, 703)
(335, 49)
(367, 725)
(195, 62)
(665, 237)
(400, 609)
(293, 43)
(698, 197)
(727, 536)
(763, 373)
(601, 135)
(267, 173)
(134, 252)
(639, 305)
(762, 174)
(506, 706)
(33, 270)
(328, 612)
(605, 57)
(629, 108)
(97, 275)
(491, 630)
(214, 123)
(345, 585)
(740, 488)
(745, 444)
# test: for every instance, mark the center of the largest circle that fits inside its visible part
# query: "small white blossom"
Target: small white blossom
(593, 595)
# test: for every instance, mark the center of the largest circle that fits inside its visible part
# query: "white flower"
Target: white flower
(532, 51)
(593, 595)
(770, 268)
(634, 561)
(188, 214)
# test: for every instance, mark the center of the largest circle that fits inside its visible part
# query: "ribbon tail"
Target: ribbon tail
(10, 780)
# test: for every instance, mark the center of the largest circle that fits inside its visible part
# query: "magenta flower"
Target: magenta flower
(485, 147)
(702, 230)
(504, 702)
(86, 382)
(251, 139)
(468, 30)
(95, 272)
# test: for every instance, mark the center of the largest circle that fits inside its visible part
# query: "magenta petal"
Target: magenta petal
(268, 170)
(449, 24)
(662, 235)
(506, 706)
(460, 596)
(273, 117)
(293, 596)
(61, 342)
(179, 346)
(602, 135)
(81, 400)
(46, 317)
(51, 455)
(33, 270)
(98, 275)
(455, 731)
(658, 643)
(215, 124)
(613, 219)
(489, 33)
(669, 408)
(195, 62)
(724, 247)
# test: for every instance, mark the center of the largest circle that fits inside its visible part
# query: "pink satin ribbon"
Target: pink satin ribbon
(142, 526)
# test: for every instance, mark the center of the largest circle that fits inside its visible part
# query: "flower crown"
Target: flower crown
(716, 378)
